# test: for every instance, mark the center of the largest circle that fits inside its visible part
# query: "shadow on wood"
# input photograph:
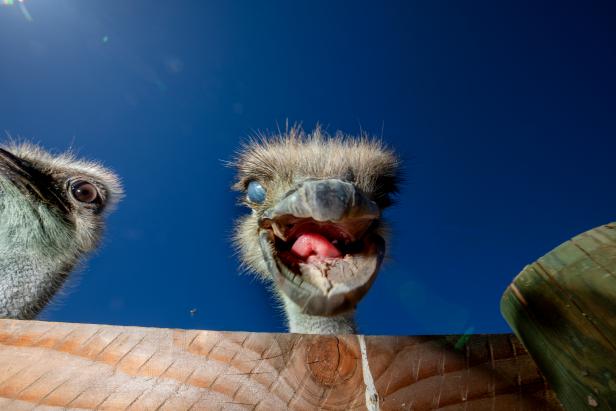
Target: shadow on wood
(109, 367)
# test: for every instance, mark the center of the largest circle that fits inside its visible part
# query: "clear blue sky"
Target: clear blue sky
(505, 115)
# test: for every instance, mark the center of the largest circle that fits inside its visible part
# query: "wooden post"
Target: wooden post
(563, 308)
(80, 366)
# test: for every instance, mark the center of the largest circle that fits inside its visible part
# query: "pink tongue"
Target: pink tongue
(314, 244)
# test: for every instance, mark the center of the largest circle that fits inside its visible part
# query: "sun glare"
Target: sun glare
(22, 7)
(10, 2)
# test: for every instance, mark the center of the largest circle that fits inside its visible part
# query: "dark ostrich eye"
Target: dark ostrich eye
(255, 192)
(84, 191)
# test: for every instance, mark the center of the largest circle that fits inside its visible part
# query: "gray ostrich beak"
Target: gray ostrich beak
(324, 200)
(30, 180)
(329, 200)
(340, 211)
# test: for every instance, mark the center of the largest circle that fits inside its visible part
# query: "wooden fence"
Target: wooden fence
(46, 365)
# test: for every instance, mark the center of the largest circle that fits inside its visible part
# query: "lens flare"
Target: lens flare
(22, 7)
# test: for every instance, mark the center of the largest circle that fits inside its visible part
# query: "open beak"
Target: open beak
(30, 180)
(321, 245)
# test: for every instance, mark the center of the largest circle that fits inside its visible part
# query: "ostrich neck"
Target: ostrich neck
(313, 324)
(37, 251)
(27, 285)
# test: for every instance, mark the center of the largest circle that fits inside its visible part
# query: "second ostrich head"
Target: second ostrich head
(52, 210)
(316, 229)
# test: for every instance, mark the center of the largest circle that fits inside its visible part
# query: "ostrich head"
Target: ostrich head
(315, 230)
(51, 214)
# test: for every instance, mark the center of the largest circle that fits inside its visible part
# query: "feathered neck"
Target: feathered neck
(299, 322)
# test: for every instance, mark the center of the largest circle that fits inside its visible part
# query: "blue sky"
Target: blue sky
(503, 113)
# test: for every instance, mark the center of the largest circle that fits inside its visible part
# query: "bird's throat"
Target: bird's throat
(302, 323)
(27, 284)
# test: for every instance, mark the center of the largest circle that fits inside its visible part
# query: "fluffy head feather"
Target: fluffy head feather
(280, 160)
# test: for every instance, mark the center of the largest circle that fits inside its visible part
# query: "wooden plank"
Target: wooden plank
(81, 366)
(563, 308)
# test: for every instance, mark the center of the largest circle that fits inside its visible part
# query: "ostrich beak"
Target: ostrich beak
(320, 245)
(29, 179)
(324, 200)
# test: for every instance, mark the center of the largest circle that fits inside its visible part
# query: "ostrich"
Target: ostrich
(51, 214)
(315, 231)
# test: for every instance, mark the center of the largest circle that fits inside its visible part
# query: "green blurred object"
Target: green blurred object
(563, 309)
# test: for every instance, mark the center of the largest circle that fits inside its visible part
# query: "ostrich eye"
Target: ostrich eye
(255, 192)
(84, 191)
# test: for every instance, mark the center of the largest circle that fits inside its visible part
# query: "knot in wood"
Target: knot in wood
(330, 361)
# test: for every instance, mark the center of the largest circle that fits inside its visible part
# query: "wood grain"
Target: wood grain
(47, 365)
(563, 307)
